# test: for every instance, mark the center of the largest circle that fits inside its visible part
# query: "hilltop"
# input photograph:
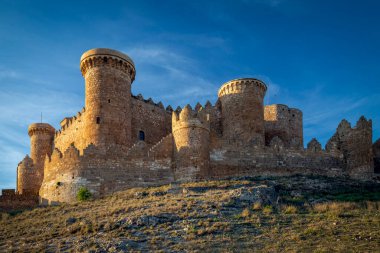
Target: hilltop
(277, 214)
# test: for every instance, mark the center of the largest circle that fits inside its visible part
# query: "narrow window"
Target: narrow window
(109, 101)
(97, 120)
(141, 136)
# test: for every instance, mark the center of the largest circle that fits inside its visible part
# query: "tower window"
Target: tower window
(105, 59)
(97, 120)
(109, 101)
(141, 136)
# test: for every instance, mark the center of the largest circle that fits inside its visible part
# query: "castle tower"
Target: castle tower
(191, 133)
(108, 77)
(285, 123)
(243, 111)
(41, 144)
(356, 146)
(26, 177)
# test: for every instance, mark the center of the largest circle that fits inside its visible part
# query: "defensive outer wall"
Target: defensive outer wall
(119, 140)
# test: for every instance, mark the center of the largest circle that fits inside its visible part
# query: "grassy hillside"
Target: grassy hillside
(292, 214)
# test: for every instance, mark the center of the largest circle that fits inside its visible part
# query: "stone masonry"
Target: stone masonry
(119, 140)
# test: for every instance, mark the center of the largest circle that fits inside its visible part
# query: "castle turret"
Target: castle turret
(243, 111)
(285, 123)
(108, 77)
(356, 146)
(30, 172)
(26, 177)
(191, 133)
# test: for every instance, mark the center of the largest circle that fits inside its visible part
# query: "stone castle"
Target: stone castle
(120, 141)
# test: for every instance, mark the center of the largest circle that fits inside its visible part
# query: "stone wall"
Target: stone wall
(10, 201)
(151, 119)
(72, 131)
(273, 161)
(101, 171)
(356, 146)
(285, 123)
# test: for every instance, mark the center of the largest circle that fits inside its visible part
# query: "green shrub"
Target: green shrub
(83, 194)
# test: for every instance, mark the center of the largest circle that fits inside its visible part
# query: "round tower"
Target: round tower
(243, 111)
(41, 144)
(108, 77)
(26, 182)
(276, 123)
(191, 133)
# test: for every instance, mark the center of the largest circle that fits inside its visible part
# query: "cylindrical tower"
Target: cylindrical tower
(191, 133)
(26, 181)
(41, 144)
(243, 111)
(108, 77)
(276, 119)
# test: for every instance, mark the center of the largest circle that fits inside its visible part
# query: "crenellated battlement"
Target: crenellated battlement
(188, 117)
(240, 85)
(72, 154)
(150, 101)
(26, 163)
(102, 57)
(67, 122)
(363, 124)
(285, 123)
(121, 140)
(40, 128)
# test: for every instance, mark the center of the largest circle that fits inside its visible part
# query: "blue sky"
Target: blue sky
(319, 56)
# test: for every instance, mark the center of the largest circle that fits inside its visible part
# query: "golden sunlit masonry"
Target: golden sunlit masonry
(118, 140)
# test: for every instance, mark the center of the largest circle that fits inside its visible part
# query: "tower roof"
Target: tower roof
(40, 127)
(106, 51)
(239, 84)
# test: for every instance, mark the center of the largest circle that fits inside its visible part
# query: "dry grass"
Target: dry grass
(289, 209)
(257, 206)
(267, 209)
(154, 219)
(245, 213)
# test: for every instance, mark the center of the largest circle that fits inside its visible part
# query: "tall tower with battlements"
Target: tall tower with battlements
(242, 111)
(191, 134)
(30, 172)
(108, 77)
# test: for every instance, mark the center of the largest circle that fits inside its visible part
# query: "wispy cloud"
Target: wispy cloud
(21, 107)
(171, 76)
